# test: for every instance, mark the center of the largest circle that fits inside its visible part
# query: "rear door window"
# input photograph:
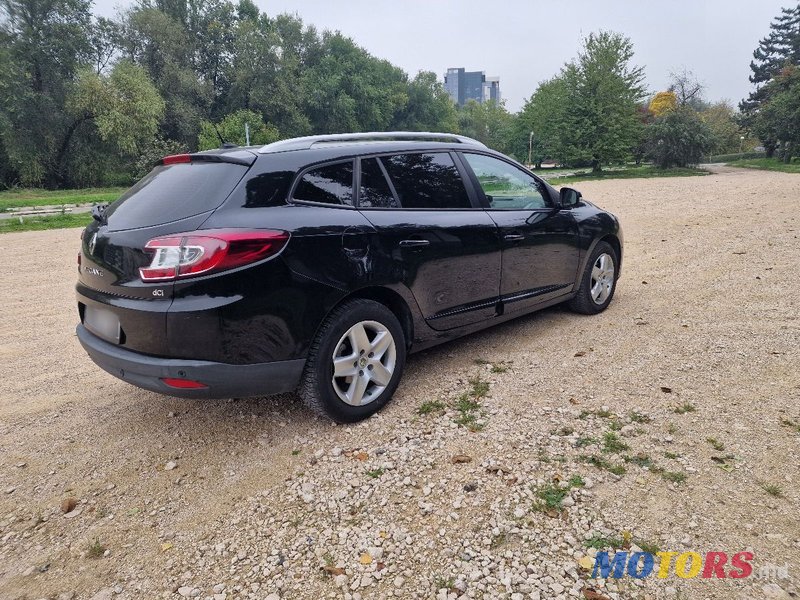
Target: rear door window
(172, 192)
(329, 184)
(428, 180)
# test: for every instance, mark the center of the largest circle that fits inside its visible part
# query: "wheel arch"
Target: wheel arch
(400, 304)
(615, 243)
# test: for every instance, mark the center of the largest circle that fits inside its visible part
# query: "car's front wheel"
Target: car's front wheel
(355, 362)
(598, 282)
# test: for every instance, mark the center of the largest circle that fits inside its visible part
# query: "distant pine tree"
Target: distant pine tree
(775, 53)
(782, 45)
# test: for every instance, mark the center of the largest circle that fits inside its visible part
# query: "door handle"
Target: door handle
(514, 237)
(414, 243)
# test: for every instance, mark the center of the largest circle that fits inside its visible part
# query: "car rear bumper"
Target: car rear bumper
(222, 380)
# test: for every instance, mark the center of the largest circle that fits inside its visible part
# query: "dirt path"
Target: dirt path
(264, 496)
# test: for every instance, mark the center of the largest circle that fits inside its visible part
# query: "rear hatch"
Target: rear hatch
(177, 196)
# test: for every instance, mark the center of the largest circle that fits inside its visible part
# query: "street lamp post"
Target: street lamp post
(530, 148)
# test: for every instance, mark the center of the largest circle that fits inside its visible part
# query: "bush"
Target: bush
(678, 139)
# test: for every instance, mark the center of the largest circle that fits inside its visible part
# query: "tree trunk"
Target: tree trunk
(58, 177)
(596, 166)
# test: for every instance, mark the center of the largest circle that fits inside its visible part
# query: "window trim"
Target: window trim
(550, 205)
(338, 161)
(462, 173)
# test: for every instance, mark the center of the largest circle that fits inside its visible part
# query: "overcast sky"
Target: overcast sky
(526, 42)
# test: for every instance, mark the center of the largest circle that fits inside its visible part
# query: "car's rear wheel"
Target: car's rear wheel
(355, 363)
(598, 282)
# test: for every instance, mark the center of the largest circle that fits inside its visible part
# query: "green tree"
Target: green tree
(603, 92)
(778, 118)
(488, 122)
(232, 130)
(726, 134)
(44, 45)
(350, 90)
(428, 108)
(540, 126)
(678, 138)
(125, 106)
(781, 48)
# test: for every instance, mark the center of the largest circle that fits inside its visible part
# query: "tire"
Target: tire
(369, 382)
(590, 300)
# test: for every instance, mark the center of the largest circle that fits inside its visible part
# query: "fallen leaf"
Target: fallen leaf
(380, 566)
(580, 353)
(383, 534)
(333, 570)
(573, 401)
(459, 459)
(644, 282)
(627, 538)
(666, 390)
(587, 563)
(166, 546)
(511, 481)
(590, 594)
(68, 504)
(361, 456)
(365, 559)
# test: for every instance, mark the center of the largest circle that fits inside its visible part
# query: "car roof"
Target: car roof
(374, 142)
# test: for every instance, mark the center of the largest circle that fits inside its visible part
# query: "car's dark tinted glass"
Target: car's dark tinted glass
(331, 184)
(426, 180)
(375, 191)
(268, 189)
(173, 192)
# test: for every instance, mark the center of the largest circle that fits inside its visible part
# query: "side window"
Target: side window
(505, 186)
(268, 189)
(374, 191)
(426, 181)
(331, 184)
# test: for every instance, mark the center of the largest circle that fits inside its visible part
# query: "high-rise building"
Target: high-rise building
(463, 85)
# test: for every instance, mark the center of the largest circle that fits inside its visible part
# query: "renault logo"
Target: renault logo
(92, 243)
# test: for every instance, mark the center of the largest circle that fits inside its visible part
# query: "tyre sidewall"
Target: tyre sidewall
(586, 283)
(334, 406)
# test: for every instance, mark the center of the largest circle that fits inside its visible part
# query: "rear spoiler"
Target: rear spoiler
(236, 157)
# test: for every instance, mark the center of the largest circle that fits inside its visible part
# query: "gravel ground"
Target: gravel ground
(689, 384)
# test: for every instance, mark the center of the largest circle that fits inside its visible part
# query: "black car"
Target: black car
(317, 264)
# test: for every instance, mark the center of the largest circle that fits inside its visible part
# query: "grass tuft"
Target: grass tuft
(95, 549)
(612, 443)
(430, 406)
(772, 489)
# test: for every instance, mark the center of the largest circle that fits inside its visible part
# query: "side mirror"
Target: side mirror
(569, 196)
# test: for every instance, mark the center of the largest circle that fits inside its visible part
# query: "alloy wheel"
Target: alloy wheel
(363, 363)
(602, 278)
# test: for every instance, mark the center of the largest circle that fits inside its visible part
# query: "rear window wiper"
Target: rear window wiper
(99, 212)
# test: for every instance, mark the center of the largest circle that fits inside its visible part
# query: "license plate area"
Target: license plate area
(103, 323)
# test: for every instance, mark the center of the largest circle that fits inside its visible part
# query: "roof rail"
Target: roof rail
(304, 143)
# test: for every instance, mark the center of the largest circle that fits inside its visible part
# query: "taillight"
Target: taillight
(202, 252)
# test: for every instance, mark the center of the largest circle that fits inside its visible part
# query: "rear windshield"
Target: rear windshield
(173, 192)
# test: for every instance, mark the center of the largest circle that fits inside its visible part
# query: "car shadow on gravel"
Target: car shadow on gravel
(152, 418)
